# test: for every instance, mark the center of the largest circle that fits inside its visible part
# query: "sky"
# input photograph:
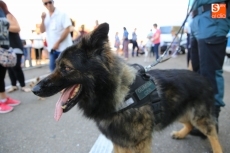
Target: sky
(119, 13)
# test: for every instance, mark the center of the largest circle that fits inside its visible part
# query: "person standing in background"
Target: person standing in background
(15, 42)
(38, 44)
(117, 43)
(156, 40)
(126, 43)
(57, 26)
(96, 24)
(6, 103)
(134, 41)
(208, 48)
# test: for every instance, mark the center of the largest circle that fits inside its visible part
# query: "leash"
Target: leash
(162, 58)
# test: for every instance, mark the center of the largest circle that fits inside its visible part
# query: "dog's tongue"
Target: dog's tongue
(63, 99)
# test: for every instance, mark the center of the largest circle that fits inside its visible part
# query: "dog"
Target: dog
(33, 83)
(100, 82)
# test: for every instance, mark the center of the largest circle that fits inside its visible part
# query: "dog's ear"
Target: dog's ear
(100, 34)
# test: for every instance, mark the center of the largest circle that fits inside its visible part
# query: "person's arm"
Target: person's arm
(42, 25)
(14, 26)
(64, 34)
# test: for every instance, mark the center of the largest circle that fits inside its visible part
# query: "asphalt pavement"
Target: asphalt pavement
(31, 128)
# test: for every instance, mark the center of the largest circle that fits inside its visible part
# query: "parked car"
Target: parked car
(166, 39)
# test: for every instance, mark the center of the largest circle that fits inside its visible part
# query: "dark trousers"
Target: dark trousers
(207, 57)
(38, 53)
(135, 45)
(16, 73)
(2, 77)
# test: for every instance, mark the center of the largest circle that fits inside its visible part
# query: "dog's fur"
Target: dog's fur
(104, 80)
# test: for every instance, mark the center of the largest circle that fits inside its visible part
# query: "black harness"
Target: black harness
(143, 91)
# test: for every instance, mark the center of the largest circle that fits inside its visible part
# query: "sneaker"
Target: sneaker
(25, 89)
(12, 102)
(12, 89)
(4, 108)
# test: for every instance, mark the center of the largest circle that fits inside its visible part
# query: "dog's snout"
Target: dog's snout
(36, 89)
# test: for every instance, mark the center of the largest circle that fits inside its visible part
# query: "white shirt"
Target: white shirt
(55, 25)
(37, 41)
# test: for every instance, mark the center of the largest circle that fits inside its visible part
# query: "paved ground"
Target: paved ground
(31, 128)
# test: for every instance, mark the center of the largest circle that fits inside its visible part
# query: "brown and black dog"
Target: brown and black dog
(98, 81)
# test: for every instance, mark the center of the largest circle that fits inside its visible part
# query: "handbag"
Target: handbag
(7, 57)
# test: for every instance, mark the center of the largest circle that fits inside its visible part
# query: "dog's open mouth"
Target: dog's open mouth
(67, 100)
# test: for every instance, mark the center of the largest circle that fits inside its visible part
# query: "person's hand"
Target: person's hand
(43, 15)
(56, 45)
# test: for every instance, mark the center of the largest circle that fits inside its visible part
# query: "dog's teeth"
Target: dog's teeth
(76, 89)
(63, 107)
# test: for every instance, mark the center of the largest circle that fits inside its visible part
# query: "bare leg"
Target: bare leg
(3, 95)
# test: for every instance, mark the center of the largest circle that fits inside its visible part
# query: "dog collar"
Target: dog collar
(143, 91)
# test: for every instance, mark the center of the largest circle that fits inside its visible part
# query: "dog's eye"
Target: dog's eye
(67, 69)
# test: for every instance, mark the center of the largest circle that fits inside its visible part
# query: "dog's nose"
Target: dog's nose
(36, 90)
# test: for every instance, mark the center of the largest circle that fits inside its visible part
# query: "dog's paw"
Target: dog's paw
(176, 135)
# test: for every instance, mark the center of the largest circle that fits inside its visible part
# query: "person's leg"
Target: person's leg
(133, 48)
(36, 55)
(12, 76)
(189, 61)
(195, 60)
(40, 55)
(18, 72)
(212, 54)
(2, 82)
(25, 53)
(211, 58)
(52, 62)
(156, 49)
(40, 51)
(4, 100)
(126, 44)
(136, 45)
(53, 57)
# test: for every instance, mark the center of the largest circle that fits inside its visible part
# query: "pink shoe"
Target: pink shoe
(4, 108)
(12, 102)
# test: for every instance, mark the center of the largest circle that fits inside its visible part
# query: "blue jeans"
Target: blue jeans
(156, 49)
(53, 57)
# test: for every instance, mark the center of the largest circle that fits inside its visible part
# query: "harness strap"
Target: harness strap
(142, 92)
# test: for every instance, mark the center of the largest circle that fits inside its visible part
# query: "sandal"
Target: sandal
(12, 89)
(25, 89)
